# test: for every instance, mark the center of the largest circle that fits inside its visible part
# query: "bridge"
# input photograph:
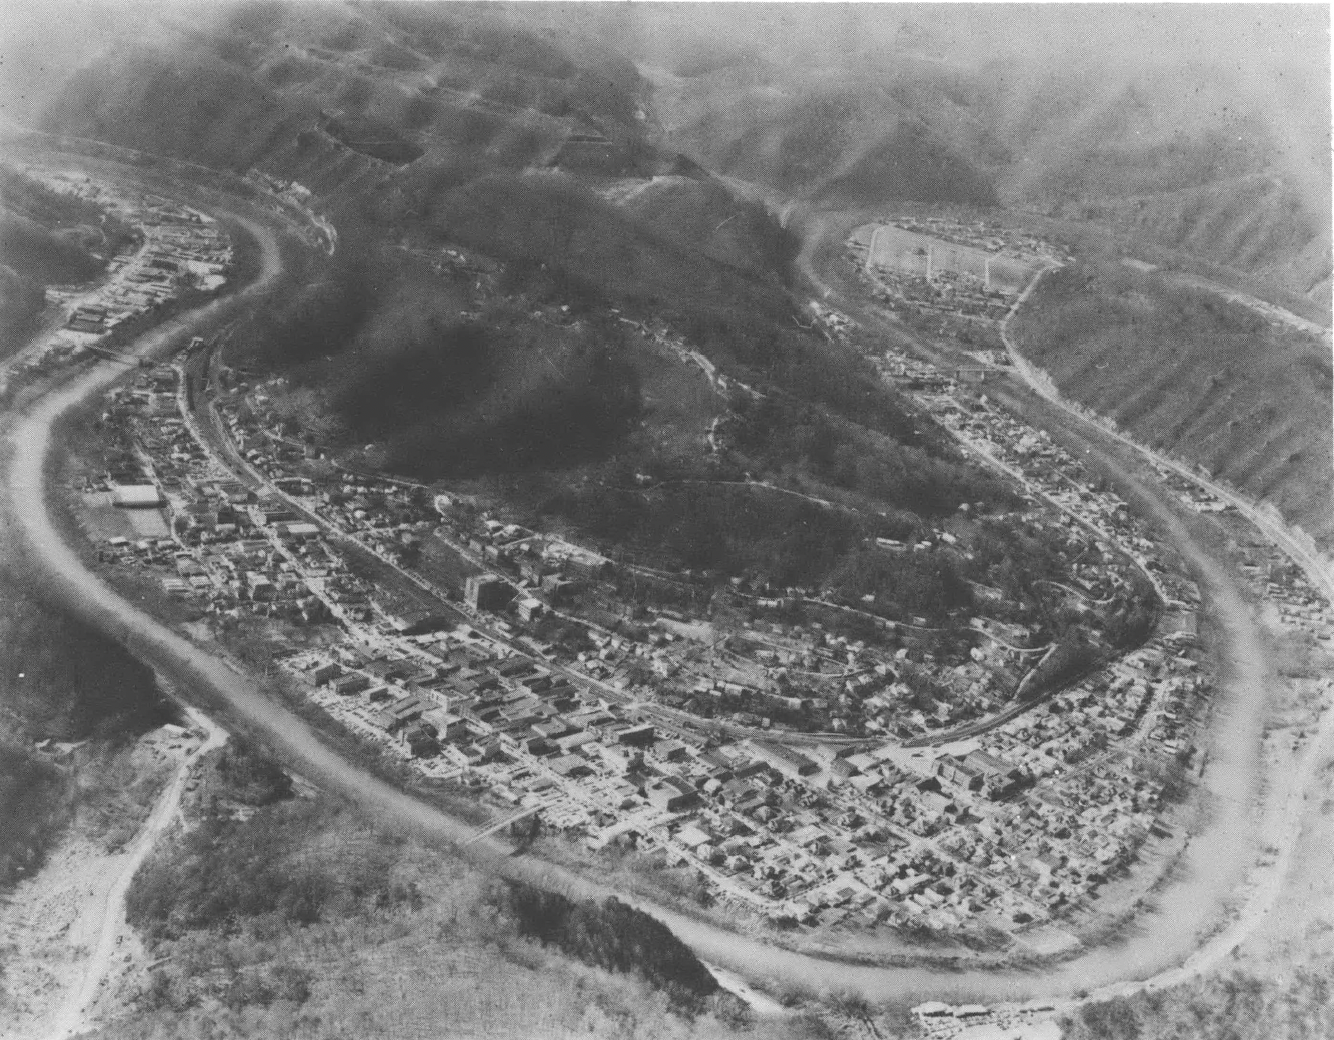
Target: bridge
(107, 354)
(501, 824)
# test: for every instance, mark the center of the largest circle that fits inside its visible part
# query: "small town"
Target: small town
(626, 522)
(464, 654)
(177, 248)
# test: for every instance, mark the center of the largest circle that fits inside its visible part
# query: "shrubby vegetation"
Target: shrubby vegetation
(611, 935)
(303, 916)
(64, 680)
(380, 356)
(60, 680)
(34, 805)
(248, 775)
(905, 469)
(1234, 1006)
(303, 863)
(21, 301)
(732, 530)
(225, 870)
(52, 237)
(45, 238)
(1193, 374)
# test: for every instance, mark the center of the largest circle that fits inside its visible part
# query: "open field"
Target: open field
(910, 253)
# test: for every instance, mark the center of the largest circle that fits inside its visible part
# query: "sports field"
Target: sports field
(908, 252)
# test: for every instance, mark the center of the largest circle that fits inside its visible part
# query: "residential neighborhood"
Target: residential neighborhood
(470, 659)
(177, 249)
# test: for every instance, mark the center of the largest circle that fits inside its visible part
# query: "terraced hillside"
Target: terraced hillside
(1193, 374)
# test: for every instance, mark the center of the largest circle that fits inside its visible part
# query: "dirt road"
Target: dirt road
(108, 923)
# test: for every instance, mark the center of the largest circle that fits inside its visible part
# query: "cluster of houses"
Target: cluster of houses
(995, 833)
(940, 1021)
(842, 833)
(223, 546)
(1273, 576)
(942, 292)
(178, 248)
(961, 277)
(294, 196)
(898, 822)
(1046, 469)
(987, 235)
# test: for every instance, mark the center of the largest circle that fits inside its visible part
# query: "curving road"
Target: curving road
(1164, 939)
(72, 1017)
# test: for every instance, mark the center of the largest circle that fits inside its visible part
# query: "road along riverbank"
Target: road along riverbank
(1159, 944)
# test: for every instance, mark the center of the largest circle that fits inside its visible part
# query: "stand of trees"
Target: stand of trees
(224, 870)
(610, 935)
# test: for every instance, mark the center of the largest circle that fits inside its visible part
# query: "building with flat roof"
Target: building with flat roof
(785, 760)
(487, 592)
(137, 496)
(670, 794)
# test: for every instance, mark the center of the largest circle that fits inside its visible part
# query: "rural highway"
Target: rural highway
(1166, 938)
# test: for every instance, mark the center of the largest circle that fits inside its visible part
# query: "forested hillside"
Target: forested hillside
(512, 220)
(61, 681)
(45, 239)
(1177, 145)
(1191, 373)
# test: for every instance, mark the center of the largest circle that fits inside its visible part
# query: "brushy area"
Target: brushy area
(62, 681)
(1234, 1006)
(302, 920)
(45, 239)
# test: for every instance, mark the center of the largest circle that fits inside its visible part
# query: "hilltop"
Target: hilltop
(1176, 147)
(519, 243)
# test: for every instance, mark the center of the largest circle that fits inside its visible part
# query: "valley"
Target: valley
(939, 655)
